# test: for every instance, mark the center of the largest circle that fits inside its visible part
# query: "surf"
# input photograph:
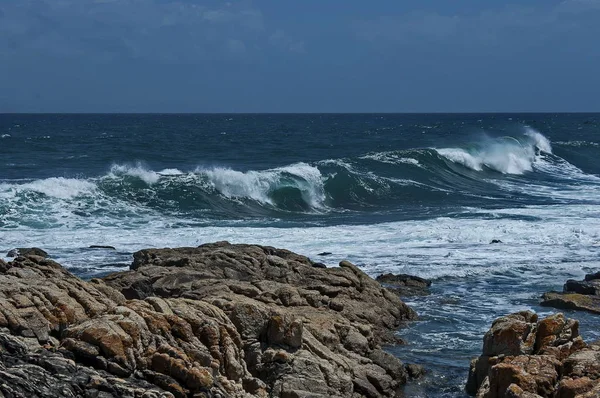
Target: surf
(487, 171)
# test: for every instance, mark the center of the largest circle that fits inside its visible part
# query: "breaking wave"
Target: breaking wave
(508, 155)
(490, 171)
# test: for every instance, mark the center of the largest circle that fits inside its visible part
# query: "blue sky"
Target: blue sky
(299, 56)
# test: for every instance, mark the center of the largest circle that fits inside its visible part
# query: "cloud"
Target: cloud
(488, 30)
(161, 30)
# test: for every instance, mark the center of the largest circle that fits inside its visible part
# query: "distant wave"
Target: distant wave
(508, 155)
(521, 168)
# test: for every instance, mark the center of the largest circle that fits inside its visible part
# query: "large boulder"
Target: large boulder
(218, 320)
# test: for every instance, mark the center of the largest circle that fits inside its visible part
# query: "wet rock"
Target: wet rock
(415, 371)
(576, 295)
(405, 285)
(27, 251)
(102, 247)
(527, 358)
(572, 301)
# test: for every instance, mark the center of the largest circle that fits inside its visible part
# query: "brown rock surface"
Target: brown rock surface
(524, 357)
(221, 319)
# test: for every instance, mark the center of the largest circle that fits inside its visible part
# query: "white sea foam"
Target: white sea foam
(391, 158)
(55, 187)
(258, 185)
(148, 176)
(506, 155)
(540, 142)
(557, 239)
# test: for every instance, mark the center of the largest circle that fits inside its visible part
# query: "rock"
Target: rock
(531, 373)
(591, 277)
(27, 251)
(571, 388)
(572, 301)
(577, 295)
(405, 285)
(526, 358)
(511, 335)
(44, 373)
(218, 320)
(415, 371)
(102, 247)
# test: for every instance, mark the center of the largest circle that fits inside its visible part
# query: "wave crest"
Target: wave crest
(262, 186)
(506, 155)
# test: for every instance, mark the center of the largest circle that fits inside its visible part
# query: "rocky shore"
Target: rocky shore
(219, 320)
(524, 357)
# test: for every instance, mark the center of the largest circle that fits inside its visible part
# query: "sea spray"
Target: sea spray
(506, 155)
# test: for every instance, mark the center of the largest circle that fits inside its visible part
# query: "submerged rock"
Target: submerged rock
(217, 320)
(576, 295)
(405, 285)
(526, 357)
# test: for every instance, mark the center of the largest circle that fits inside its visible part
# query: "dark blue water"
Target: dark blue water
(421, 194)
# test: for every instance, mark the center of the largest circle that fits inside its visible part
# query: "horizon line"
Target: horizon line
(307, 113)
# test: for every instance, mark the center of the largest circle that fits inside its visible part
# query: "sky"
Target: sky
(299, 56)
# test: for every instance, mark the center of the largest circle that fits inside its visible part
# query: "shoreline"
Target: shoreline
(251, 287)
(235, 320)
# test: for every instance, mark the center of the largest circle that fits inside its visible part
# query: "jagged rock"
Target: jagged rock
(405, 285)
(218, 320)
(526, 358)
(27, 251)
(47, 373)
(511, 335)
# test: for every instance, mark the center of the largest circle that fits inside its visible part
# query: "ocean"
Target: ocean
(422, 194)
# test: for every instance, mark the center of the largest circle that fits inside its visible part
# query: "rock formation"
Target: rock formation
(524, 357)
(577, 295)
(219, 320)
(405, 285)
